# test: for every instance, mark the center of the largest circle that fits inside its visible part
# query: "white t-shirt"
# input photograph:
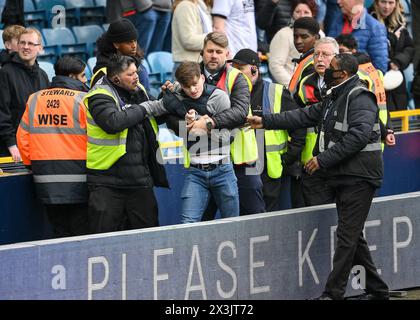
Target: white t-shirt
(239, 24)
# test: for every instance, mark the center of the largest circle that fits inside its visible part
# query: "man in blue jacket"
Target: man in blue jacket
(370, 34)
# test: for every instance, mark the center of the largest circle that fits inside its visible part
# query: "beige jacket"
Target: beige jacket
(187, 32)
(282, 51)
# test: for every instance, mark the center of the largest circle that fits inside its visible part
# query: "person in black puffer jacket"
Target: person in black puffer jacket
(121, 176)
(20, 76)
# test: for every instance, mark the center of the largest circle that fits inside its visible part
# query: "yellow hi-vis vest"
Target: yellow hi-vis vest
(275, 140)
(311, 136)
(104, 149)
(244, 148)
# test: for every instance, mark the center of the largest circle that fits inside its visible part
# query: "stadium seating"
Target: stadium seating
(33, 17)
(100, 3)
(48, 4)
(161, 62)
(64, 39)
(48, 67)
(88, 35)
(87, 11)
(154, 78)
(91, 63)
(2, 3)
(88, 73)
(1, 40)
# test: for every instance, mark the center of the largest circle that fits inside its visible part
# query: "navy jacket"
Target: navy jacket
(371, 36)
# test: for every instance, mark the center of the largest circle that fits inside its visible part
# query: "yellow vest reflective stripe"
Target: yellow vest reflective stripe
(244, 148)
(297, 74)
(95, 75)
(310, 141)
(311, 136)
(344, 126)
(104, 149)
(275, 140)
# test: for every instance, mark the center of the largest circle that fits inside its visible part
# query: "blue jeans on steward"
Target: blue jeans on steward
(221, 182)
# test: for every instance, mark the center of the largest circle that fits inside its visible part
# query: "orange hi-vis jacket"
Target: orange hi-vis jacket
(52, 139)
(300, 72)
(375, 81)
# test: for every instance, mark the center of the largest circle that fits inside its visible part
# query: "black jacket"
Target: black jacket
(343, 162)
(13, 13)
(239, 101)
(139, 167)
(17, 83)
(4, 57)
(401, 52)
(297, 135)
(271, 17)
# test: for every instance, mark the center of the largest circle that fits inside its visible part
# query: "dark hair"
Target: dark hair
(310, 3)
(117, 64)
(217, 38)
(307, 23)
(104, 45)
(68, 65)
(347, 62)
(187, 72)
(347, 40)
(362, 57)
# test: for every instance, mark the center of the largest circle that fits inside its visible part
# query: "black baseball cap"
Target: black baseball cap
(246, 56)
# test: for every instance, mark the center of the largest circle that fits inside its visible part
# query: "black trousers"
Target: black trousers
(251, 199)
(113, 209)
(315, 190)
(68, 220)
(353, 204)
(271, 192)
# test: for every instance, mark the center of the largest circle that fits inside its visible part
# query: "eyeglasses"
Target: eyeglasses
(30, 44)
(323, 54)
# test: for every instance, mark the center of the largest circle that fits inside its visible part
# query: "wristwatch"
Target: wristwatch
(209, 125)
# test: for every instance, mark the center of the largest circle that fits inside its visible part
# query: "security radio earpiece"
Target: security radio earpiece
(116, 80)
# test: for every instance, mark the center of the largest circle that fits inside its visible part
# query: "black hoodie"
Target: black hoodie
(68, 83)
(17, 83)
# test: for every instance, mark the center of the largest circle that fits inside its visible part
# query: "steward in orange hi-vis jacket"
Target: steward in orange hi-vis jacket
(52, 140)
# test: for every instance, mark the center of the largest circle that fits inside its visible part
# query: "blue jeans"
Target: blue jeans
(151, 27)
(221, 182)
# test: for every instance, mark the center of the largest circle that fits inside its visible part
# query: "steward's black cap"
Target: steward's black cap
(246, 56)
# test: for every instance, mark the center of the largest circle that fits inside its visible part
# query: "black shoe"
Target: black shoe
(370, 296)
(323, 297)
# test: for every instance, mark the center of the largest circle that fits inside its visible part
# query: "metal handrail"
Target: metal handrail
(405, 117)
